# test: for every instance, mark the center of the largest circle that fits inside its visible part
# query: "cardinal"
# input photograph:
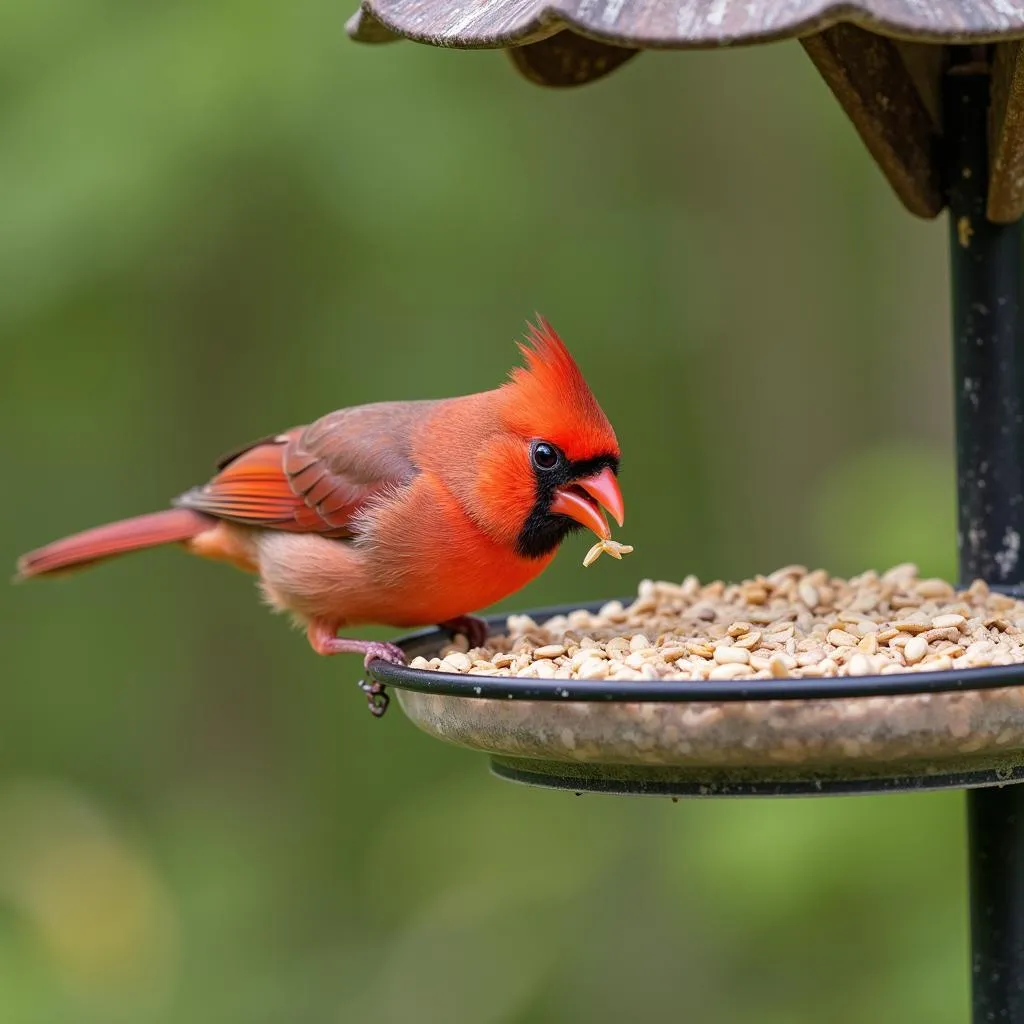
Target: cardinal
(397, 513)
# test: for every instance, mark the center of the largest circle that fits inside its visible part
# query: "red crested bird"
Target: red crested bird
(397, 513)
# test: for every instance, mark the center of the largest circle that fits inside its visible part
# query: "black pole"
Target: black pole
(996, 829)
(988, 347)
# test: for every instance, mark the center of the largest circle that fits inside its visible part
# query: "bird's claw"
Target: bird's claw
(390, 653)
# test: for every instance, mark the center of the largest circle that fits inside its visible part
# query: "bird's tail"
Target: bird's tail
(82, 549)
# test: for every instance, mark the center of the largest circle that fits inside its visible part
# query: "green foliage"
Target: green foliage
(221, 219)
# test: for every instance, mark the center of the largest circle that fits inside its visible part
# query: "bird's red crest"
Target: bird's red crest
(549, 399)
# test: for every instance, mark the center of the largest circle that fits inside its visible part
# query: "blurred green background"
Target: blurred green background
(222, 218)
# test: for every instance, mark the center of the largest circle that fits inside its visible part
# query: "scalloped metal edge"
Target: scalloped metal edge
(697, 25)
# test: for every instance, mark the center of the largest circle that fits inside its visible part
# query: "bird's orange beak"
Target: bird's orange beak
(583, 500)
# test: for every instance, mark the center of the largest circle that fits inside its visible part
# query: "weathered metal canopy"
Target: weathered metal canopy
(883, 60)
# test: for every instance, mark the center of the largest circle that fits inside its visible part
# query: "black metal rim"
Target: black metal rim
(712, 787)
(404, 677)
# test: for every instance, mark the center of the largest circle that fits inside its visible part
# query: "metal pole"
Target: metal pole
(996, 828)
(988, 347)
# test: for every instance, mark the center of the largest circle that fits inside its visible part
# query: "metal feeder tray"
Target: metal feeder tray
(907, 731)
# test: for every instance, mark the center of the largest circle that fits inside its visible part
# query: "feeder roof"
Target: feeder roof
(680, 24)
(883, 59)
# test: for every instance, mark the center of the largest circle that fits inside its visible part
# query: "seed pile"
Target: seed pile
(792, 623)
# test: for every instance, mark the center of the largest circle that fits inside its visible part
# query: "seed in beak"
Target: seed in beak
(611, 547)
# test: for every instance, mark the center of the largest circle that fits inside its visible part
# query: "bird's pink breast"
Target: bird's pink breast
(421, 559)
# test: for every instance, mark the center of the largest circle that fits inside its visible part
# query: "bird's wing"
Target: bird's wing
(315, 479)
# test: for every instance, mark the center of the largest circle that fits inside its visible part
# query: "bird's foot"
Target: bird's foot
(323, 641)
(377, 649)
(475, 630)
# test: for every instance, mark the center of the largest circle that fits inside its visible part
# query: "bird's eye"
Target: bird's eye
(546, 456)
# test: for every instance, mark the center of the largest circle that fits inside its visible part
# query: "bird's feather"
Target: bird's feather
(315, 479)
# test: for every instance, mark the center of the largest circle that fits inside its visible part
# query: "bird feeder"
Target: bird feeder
(936, 92)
